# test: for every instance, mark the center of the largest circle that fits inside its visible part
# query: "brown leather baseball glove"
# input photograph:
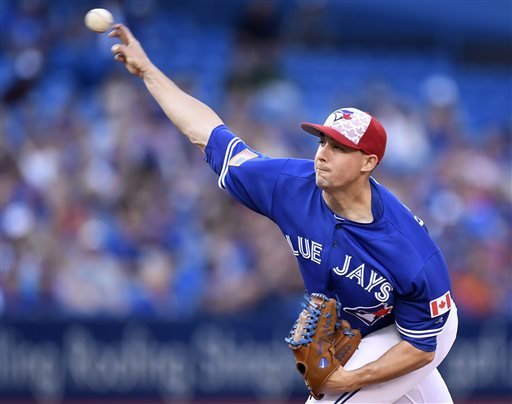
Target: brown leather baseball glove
(346, 341)
(321, 343)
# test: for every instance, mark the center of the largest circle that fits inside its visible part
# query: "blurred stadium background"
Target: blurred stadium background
(128, 276)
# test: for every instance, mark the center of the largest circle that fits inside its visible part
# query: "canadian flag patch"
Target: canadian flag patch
(440, 305)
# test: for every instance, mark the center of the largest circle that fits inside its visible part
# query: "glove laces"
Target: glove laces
(311, 321)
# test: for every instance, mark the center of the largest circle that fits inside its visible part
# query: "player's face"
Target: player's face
(336, 165)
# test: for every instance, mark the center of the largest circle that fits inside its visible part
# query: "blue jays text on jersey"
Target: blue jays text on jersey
(386, 271)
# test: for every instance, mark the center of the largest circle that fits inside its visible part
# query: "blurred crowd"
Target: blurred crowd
(107, 210)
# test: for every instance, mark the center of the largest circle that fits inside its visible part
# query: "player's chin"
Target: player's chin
(321, 182)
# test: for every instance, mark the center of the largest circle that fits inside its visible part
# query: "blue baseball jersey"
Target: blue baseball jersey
(387, 271)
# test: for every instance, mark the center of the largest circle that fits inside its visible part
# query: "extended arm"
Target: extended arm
(193, 118)
(401, 359)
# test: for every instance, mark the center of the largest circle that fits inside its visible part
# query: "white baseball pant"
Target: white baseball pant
(424, 385)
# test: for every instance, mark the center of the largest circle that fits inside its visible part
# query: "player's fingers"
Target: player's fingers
(120, 58)
(118, 49)
(127, 34)
(122, 32)
(117, 33)
(113, 33)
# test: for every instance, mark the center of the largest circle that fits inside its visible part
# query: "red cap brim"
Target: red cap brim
(318, 130)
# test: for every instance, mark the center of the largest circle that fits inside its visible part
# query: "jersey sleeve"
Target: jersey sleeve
(421, 313)
(248, 175)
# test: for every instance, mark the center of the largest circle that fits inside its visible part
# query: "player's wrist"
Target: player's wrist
(359, 378)
(341, 381)
(148, 71)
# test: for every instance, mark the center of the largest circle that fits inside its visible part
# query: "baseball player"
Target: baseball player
(353, 239)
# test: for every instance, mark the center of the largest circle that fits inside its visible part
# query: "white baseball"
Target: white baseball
(98, 20)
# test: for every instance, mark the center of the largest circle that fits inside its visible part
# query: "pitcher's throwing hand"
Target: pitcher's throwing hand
(129, 51)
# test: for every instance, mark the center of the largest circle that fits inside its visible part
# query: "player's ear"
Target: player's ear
(369, 162)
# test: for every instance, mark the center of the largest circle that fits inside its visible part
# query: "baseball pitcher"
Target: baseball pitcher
(375, 279)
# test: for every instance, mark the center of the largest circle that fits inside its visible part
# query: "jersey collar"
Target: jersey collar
(377, 209)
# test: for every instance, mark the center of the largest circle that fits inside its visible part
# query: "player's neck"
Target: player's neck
(353, 203)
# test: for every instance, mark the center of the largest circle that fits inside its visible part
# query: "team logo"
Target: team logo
(350, 123)
(343, 114)
(369, 315)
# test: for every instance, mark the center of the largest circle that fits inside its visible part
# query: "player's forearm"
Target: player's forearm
(192, 117)
(403, 358)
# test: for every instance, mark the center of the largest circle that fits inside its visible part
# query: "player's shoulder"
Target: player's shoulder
(296, 180)
(234, 152)
(396, 212)
(299, 169)
(286, 169)
(410, 233)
